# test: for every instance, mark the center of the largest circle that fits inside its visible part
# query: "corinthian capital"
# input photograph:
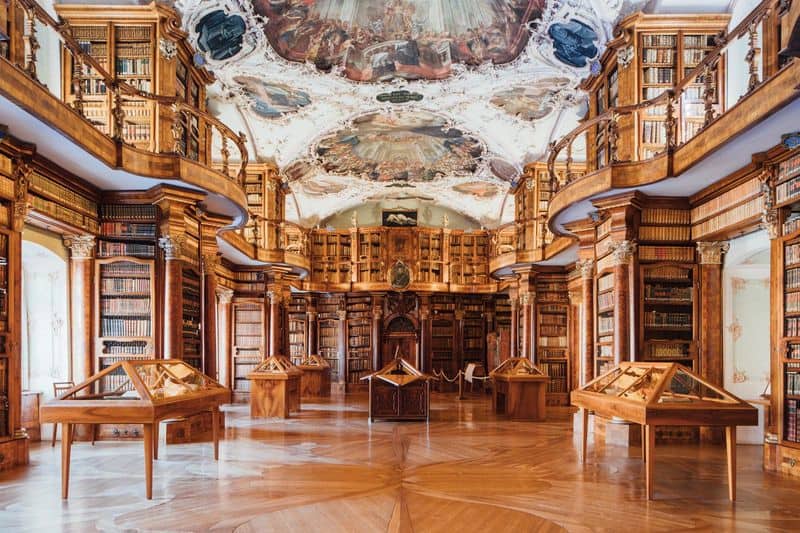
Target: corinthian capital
(225, 295)
(623, 251)
(586, 268)
(171, 244)
(80, 246)
(711, 252)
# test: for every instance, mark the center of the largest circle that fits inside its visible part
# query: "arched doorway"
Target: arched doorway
(45, 349)
(400, 337)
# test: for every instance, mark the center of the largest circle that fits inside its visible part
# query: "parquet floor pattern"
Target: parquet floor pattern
(329, 470)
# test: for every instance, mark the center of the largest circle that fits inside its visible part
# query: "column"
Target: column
(623, 257)
(586, 267)
(209, 326)
(710, 302)
(311, 331)
(425, 333)
(274, 296)
(514, 326)
(377, 329)
(81, 306)
(172, 306)
(526, 305)
(224, 299)
(342, 346)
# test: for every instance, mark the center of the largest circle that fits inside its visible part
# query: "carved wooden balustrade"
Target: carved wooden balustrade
(20, 24)
(759, 68)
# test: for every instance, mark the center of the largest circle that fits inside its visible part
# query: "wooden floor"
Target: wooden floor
(329, 470)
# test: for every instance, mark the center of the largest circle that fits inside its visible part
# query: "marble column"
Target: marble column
(623, 257)
(311, 332)
(224, 340)
(586, 267)
(209, 331)
(710, 304)
(173, 296)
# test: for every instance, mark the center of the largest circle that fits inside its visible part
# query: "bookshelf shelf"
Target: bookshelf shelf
(359, 341)
(191, 296)
(552, 343)
(298, 330)
(248, 341)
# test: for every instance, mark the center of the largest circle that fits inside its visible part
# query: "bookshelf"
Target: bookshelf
(127, 230)
(443, 332)
(331, 256)
(359, 340)
(5, 428)
(668, 314)
(604, 345)
(248, 341)
(328, 323)
(298, 328)
(468, 258)
(552, 309)
(430, 267)
(191, 298)
(473, 333)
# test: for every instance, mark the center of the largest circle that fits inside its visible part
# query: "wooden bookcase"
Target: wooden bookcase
(298, 329)
(125, 40)
(5, 375)
(248, 343)
(370, 261)
(604, 344)
(430, 252)
(468, 258)
(443, 334)
(331, 257)
(191, 295)
(552, 311)
(328, 326)
(359, 340)
(473, 331)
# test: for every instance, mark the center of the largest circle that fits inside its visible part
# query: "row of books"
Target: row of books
(125, 306)
(733, 216)
(792, 278)
(358, 364)
(124, 327)
(666, 253)
(793, 351)
(792, 382)
(792, 223)
(787, 190)
(92, 86)
(551, 296)
(249, 329)
(792, 302)
(605, 350)
(659, 40)
(133, 66)
(726, 200)
(442, 344)
(128, 286)
(661, 319)
(664, 233)
(665, 216)
(551, 287)
(693, 56)
(658, 55)
(792, 327)
(242, 340)
(605, 283)
(125, 348)
(659, 75)
(671, 293)
(551, 352)
(553, 342)
(552, 308)
(790, 421)
(442, 331)
(113, 249)
(297, 338)
(605, 325)
(605, 300)
(360, 341)
(698, 41)
(789, 168)
(65, 214)
(648, 93)
(666, 351)
(546, 319)
(128, 212)
(473, 344)
(653, 132)
(128, 229)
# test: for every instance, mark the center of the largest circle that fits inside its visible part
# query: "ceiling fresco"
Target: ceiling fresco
(441, 102)
(412, 39)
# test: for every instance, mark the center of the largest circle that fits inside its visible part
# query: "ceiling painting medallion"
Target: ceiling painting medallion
(409, 146)
(413, 39)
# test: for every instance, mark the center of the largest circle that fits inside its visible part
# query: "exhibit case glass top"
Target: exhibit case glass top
(275, 365)
(518, 367)
(398, 372)
(662, 393)
(314, 360)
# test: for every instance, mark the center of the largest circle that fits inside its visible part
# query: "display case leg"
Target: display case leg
(650, 438)
(642, 438)
(66, 448)
(215, 431)
(148, 460)
(156, 428)
(730, 445)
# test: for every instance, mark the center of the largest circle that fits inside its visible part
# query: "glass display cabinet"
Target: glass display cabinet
(274, 388)
(316, 379)
(519, 389)
(136, 392)
(664, 394)
(399, 391)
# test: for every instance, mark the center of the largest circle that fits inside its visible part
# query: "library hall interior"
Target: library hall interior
(399, 266)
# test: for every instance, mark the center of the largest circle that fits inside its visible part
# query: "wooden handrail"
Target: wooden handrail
(668, 97)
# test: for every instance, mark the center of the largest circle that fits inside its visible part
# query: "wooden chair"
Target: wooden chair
(60, 387)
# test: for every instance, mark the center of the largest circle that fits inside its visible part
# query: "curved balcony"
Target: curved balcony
(684, 149)
(41, 117)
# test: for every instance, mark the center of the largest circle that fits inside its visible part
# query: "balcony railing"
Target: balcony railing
(676, 131)
(21, 48)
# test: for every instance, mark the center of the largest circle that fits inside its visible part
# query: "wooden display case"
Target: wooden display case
(274, 388)
(316, 379)
(664, 394)
(145, 392)
(518, 390)
(399, 391)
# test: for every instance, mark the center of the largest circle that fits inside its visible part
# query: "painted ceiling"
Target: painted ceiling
(441, 102)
